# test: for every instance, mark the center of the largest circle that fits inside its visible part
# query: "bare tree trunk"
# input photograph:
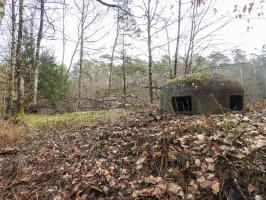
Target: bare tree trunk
(124, 66)
(178, 37)
(169, 53)
(189, 56)
(2, 9)
(64, 35)
(37, 54)
(4, 98)
(11, 81)
(150, 51)
(113, 55)
(64, 44)
(32, 46)
(81, 48)
(20, 109)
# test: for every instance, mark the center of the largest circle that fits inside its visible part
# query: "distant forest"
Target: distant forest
(147, 43)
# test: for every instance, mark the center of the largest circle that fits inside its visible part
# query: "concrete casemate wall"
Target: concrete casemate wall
(204, 92)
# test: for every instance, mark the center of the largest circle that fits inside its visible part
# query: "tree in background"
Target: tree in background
(151, 13)
(218, 60)
(2, 9)
(201, 34)
(37, 53)
(240, 60)
(11, 80)
(177, 37)
(20, 85)
(125, 29)
(113, 53)
(51, 79)
(129, 30)
(94, 76)
(88, 15)
(135, 74)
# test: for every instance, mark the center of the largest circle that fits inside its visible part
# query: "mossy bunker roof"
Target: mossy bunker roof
(198, 93)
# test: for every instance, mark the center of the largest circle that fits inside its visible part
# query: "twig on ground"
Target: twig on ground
(234, 178)
(9, 151)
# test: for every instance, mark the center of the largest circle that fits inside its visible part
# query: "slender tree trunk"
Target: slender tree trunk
(178, 37)
(124, 67)
(37, 54)
(150, 51)
(64, 36)
(81, 49)
(169, 54)
(64, 45)
(5, 96)
(32, 46)
(2, 9)
(113, 55)
(11, 81)
(20, 102)
(189, 56)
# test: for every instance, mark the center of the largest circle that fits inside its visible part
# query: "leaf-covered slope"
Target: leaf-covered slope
(145, 156)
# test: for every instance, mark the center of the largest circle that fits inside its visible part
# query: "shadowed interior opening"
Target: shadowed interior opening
(182, 104)
(236, 102)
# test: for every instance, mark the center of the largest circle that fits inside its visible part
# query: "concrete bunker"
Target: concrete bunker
(200, 93)
(40, 109)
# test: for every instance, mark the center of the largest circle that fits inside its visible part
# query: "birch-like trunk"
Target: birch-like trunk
(113, 55)
(169, 53)
(64, 35)
(189, 56)
(149, 50)
(19, 57)
(81, 49)
(124, 66)
(37, 54)
(11, 82)
(177, 38)
(2, 9)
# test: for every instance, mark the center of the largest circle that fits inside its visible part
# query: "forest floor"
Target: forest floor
(142, 155)
(38, 120)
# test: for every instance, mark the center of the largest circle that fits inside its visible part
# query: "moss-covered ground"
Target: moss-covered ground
(38, 120)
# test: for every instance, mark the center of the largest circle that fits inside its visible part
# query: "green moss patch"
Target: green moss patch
(200, 77)
(38, 120)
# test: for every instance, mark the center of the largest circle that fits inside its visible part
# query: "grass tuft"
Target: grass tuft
(12, 133)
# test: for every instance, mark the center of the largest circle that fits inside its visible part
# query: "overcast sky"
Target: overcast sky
(233, 35)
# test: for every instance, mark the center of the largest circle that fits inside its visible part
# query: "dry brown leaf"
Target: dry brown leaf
(192, 187)
(153, 180)
(211, 167)
(197, 162)
(173, 188)
(209, 160)
(215, 187)
(146, 191)
(251, 188)
(172, 155)
(139, 162)
(159, 190)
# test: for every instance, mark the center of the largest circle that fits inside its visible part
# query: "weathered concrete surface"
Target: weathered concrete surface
(210, 92)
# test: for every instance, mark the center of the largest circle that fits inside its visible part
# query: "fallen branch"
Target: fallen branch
(234, 177)
(137, 97)
(8, 151)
